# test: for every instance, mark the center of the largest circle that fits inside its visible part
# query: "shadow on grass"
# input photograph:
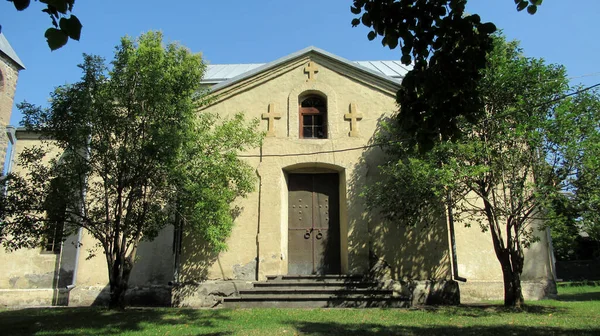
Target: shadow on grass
(100, 321)
(484, 310)
(594, 296)
(329, 329)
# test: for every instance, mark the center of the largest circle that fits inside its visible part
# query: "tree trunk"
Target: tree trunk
(513, 295)
(119, 283)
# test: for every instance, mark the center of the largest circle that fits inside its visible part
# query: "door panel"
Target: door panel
(327, 229)
(313, 221)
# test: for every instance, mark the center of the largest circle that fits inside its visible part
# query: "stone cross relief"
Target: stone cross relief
(311, 69)
(354, 117)
(271, 116)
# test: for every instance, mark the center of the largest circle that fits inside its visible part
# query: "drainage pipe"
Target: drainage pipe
(83, 212)
(77, 252)
(454, 259)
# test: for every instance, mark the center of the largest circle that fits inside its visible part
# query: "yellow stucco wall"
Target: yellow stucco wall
(29, 274)
(261, 229)
(28, 268)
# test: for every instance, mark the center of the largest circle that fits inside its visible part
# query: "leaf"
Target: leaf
(59, 5)
(71, 26)
(532, 9)
(366, 19)
(406, 59)
(355, 22)
(522, 5)
(21, 4)
(56, 38)
(487, 28)
(371, 35)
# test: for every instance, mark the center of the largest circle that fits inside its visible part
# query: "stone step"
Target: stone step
(315, 291)
(313, 284)
(311, 291)
(316, 301)
(322, 277)
(312, 297)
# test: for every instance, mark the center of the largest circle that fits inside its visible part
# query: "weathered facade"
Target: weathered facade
(320, 114)
(10, 65)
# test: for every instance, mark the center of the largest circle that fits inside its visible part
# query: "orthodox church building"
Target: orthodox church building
(305, 222)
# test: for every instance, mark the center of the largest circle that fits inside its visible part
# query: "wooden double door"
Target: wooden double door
(313, 224)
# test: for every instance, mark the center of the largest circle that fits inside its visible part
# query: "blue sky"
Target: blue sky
(238, 31)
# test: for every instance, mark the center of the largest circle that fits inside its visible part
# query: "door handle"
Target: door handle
(307, 233)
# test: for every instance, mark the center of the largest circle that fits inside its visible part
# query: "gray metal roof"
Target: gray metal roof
(218, 73)
(9, 51)
(394, 69)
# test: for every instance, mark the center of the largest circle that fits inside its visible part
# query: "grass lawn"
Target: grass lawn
(576, 312)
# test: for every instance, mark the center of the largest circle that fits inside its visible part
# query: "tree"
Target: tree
(447, 49)
(586, 183)
(136, 154)
(505, 169)
(562, 220)
(581, 209)
(63, 27)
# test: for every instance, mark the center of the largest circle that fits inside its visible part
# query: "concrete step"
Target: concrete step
(341, 277)
(316, 301)
(311, 291)
(315, 291)
(316, 283)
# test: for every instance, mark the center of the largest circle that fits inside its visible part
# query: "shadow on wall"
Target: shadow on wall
(196, 259)
(397, 250)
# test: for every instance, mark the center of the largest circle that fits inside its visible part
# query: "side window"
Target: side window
(54, 238)
(313, 117)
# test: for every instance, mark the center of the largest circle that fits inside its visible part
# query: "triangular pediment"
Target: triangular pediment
(354, 70)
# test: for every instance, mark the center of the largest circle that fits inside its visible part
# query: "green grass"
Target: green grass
(576, 312)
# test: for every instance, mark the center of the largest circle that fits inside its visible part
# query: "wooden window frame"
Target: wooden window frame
(52, 243)
(302, 111)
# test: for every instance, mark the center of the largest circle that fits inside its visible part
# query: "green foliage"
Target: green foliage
(579, 212)
(64, 27)
(447, 49)
(562, 219)
(509, 168)
(134, 154)
(583, 110)
(212, 176)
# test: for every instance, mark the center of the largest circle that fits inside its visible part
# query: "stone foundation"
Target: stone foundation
(476, 291)
(207, 294)
(83, 296)
(210, 294)
(426, 292)
(28, 297)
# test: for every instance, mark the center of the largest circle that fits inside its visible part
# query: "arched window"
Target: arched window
(313, 117)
